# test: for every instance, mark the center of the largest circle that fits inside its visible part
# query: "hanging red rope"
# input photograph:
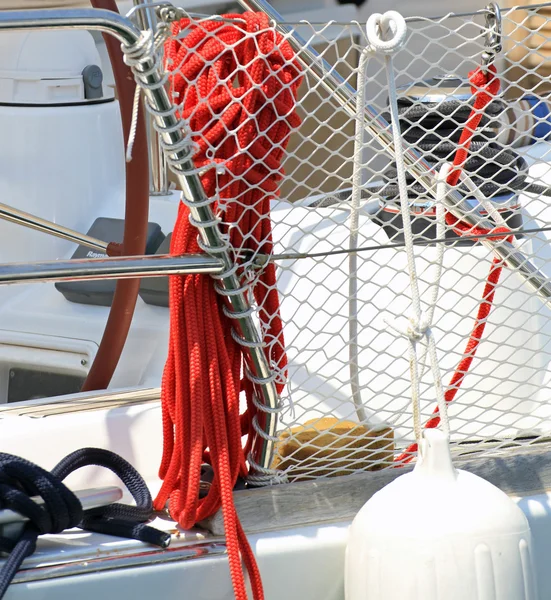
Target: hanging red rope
(236, 83)
(484, 87)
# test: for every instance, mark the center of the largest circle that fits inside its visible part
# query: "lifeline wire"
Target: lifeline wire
(435, 18)
(417, 242)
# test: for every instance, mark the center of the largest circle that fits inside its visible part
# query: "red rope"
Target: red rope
(237, 86)
(484, 87)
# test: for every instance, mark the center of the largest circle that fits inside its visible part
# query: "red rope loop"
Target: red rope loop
(484, 86)
(236, 83)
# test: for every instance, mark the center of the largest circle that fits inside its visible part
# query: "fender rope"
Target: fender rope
(484, 86)
(236, 85)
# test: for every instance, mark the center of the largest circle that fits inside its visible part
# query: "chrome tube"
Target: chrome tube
(38, 408)
(75, 18)
(380, 130)
(238, 305)
(19, 217)
(127, 267)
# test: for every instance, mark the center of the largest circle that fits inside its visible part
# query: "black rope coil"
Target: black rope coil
(21, 479)
(435, 129)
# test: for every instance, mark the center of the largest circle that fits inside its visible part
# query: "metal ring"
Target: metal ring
(493, 34)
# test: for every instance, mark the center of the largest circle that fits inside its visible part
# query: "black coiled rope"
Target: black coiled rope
(21, 479)
(435, 128)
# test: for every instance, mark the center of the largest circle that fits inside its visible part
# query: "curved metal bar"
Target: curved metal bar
(86, 18)
(149, 76)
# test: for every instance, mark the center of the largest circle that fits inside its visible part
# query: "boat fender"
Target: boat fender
(439, 533)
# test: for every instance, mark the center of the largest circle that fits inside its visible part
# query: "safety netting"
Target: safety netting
(306, 188)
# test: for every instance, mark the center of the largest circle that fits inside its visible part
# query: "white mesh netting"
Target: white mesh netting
(505, 399)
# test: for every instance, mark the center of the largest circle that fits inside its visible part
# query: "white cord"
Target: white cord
(134, 123)
(392, 26)
(353, 349)
(488, 206)
(154, 41)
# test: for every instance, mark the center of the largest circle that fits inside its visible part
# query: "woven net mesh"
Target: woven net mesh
(505, 400)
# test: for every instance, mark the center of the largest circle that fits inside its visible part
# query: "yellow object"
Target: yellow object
(329, 447)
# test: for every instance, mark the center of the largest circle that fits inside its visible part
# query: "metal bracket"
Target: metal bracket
(493, 30)
(136, 13)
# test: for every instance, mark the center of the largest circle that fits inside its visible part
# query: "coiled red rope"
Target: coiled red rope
(236, 83)
(484, 87)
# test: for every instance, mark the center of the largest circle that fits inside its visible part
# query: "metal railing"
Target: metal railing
(126, 267)
(149, 75)
(19, 217)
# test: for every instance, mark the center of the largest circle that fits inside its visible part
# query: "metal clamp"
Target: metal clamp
(135, 14)
(170, 14)
(493, 30)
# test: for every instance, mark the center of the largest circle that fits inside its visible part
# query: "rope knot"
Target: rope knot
(418, 328)
(461, 228)
(415, 330)
(386, 33)
(484, 83)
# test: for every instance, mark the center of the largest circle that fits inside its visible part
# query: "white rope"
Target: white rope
(487, 204)
(154, 43)
(134, 123)
(392, 26)
(353, 349)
